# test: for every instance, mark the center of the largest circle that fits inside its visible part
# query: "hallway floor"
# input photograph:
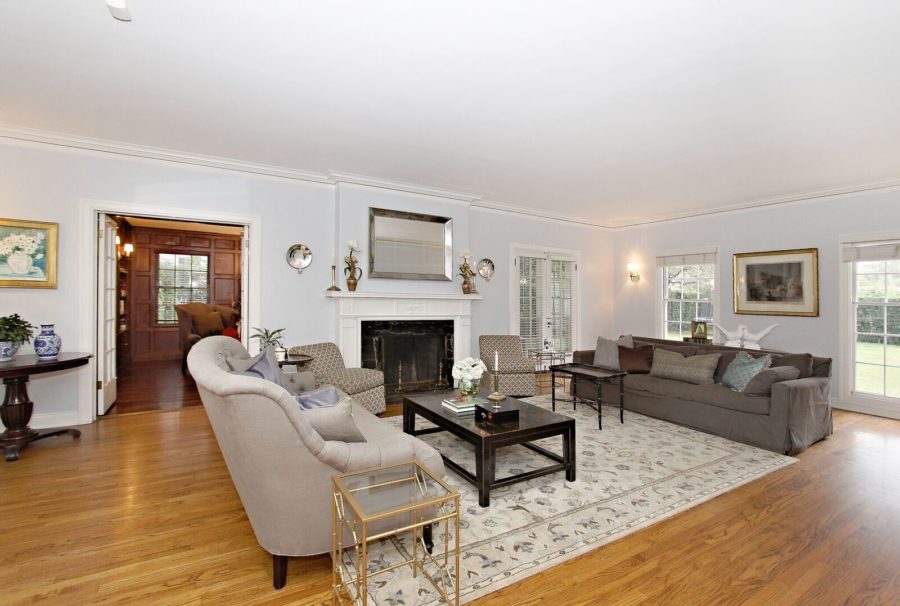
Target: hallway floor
(159, 385)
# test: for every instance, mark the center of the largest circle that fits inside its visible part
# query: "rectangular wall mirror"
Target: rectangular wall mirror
(410, 246)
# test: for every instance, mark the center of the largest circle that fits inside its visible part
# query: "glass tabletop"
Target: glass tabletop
(387, 490)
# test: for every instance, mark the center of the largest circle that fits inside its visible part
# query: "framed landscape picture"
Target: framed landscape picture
(777, 283)
(28, 254)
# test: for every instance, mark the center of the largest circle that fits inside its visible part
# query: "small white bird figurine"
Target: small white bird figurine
(731, 338)
(751, 340)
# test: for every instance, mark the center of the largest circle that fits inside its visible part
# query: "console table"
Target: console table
(15, 412)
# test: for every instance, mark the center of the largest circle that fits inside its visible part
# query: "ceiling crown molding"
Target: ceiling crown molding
(156, 153)
(350, 178)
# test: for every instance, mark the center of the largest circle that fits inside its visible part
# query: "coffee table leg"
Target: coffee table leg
(574, 392)
(553, 389)
(409, 419)
(569, 452)
(483, 473)
(621, 400)
(599, 404)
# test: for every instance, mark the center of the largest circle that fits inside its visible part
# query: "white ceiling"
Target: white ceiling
(614, 113)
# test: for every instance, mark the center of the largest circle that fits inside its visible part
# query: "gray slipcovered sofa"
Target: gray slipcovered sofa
(795, 415)
(280, 466)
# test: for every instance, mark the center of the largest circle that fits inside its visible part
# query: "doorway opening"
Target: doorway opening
(162, 285)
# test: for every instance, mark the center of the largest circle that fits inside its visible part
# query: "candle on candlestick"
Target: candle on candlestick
(496, 361)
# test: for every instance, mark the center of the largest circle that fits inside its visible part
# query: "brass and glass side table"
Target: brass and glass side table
(383, 503)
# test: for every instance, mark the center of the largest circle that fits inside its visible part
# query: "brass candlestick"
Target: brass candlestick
(334, 286)
(496, 397)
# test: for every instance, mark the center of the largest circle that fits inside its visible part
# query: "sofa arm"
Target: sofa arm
(352, 456)
(806, 403)
(584, 356)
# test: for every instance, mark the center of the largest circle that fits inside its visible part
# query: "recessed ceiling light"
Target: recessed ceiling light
(118, 9)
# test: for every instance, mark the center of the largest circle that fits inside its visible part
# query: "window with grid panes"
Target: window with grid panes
(689, 288)
(180, 279)
(531, 288)
(876, 304)
(547, 308)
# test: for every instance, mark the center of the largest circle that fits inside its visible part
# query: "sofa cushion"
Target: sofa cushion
(761, 384)
(635, 359)
(335, 422)
(515, 364)
(298, 382)
(262, 366)
(353, 380)
(802, 362)
(294, 382)
(743, 368)
(698, 370)
(209, 324)
(326, 395)
(712, 394)
(607, 352)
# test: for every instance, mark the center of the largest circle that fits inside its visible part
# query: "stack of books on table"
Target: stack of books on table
(463, 404)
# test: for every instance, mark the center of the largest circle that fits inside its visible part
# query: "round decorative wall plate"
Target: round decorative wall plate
(486, 268)
(299, 256)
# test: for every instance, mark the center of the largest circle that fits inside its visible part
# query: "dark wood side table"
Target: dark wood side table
(16, 409)
(297, 360)
(598, 376)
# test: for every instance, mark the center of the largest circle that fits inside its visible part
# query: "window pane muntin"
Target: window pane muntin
(179, 281)
(689, 294)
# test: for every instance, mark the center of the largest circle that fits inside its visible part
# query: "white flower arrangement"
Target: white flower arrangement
(354, 245)
(22, 243)
(465, 254)
(468, 369)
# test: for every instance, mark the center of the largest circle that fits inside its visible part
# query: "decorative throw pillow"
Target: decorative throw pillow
(761, 384)
(326, 395)
(300, 381)
(335, 422)
(209, 324)
(742, 369)
(261, 366)
(728, 357)
(607, 352)
(698, 370)
(635, 360)
(802, 362)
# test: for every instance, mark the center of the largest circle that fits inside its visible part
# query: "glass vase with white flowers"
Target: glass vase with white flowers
(468, 372)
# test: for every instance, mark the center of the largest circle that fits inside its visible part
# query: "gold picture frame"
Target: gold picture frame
(28, 251)
(699, 329)
(777, 282)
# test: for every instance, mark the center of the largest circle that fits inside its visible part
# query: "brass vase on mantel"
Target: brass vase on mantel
(468, 276)
(351, 271)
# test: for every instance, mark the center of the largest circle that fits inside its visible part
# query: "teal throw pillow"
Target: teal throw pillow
(743, 369)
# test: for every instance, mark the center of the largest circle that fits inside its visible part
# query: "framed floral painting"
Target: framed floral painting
(28, 254)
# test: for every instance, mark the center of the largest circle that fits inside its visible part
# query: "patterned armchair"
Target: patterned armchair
(364, 385)
(516, 376)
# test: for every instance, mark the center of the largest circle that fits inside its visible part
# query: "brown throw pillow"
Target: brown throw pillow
(636, 359)
(761, 383)
(209, 324)
(802, 362)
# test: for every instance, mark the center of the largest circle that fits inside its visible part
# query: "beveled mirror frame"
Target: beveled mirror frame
(447, 275)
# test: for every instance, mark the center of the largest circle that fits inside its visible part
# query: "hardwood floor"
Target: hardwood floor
(141, 511)
(160, 385)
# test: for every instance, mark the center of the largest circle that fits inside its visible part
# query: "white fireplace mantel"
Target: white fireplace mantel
(355, 307)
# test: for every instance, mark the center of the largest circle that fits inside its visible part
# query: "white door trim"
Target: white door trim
(87, 289)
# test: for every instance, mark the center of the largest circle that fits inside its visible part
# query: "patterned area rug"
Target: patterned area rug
(629, 476)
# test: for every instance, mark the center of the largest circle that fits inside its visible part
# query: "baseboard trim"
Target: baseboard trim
(54, 419)
(869, 409)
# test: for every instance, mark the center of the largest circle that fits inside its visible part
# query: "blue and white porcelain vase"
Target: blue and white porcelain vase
(47, 344)
(8, 349)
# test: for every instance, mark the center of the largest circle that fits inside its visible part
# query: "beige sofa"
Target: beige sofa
(280, 465)
(796, 414)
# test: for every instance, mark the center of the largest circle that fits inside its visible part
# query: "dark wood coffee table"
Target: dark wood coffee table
(534, 423)
(598, 376)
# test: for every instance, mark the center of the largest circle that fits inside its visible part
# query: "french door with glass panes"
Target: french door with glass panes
(876, 316)
(545, 300)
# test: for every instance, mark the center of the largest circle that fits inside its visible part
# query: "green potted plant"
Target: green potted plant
(271, 338)
(13, 332)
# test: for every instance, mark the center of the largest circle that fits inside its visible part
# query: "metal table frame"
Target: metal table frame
(590, 373)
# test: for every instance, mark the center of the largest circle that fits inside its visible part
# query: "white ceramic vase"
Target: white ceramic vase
(19, 263)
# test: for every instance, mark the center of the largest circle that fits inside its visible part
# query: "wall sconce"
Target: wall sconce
(128, 248)
(633, 272)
